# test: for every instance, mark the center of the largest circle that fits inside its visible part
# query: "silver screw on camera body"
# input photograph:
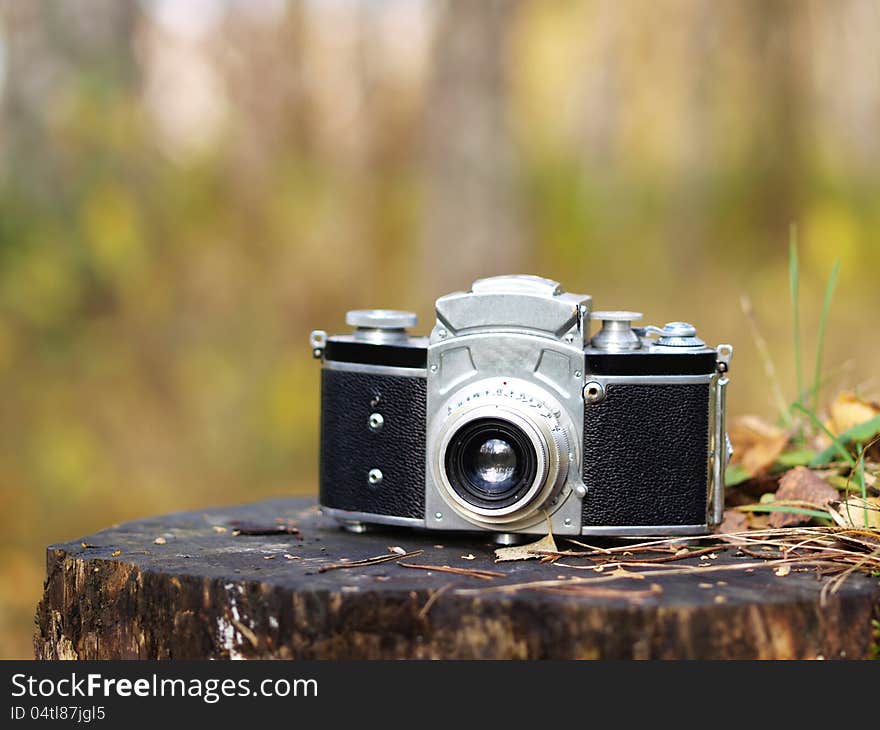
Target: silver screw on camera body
(374, 477)
(376, 421)
(593, 392)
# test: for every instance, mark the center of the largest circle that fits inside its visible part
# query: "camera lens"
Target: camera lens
(491, 463)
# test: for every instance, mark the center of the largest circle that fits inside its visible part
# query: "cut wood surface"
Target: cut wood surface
(276, 579)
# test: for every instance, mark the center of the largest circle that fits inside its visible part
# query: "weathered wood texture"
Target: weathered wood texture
(206, 593)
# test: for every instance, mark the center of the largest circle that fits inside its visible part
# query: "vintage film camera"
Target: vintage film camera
(510, 415)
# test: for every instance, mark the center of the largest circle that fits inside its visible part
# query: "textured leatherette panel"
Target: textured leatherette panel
(646, 455)
(350, 449)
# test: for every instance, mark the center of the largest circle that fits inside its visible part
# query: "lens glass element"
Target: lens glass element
(495, 461)
(491, 463)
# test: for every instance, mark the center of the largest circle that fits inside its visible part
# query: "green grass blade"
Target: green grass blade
(820, 341)
(860, 434)
(793, 280)
(736, 474)
(836, 443)
(796, 458)
(860, 476)
(767, 361)
(784, 508)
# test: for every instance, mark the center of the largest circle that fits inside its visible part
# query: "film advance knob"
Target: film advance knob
(380, 319)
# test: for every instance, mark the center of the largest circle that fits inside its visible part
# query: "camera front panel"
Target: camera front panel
(504, 434)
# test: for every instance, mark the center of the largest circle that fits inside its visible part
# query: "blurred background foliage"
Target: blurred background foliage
(188, 188)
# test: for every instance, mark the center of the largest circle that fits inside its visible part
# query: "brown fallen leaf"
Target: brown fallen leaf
(756, 443)
(733, 522)
(527, 552)
(856, 512)
(621, 572)
(801, 485)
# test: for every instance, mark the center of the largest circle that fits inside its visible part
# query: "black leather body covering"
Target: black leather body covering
(350, 449)
(646, 455)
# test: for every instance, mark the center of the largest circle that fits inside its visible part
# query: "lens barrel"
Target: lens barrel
(491, 463)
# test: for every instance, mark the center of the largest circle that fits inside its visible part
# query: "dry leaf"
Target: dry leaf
(621, 572)
(526, 552)
(733, 522)
(801, 485)
(160, 541)
(852, 512)
(783, 570)
(116, 553)
(849, 410)
(756, 444)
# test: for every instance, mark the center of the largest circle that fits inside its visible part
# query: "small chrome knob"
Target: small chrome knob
(380, 319)
(679, 329)
(617, 316)
(617, 333)
(679, 334)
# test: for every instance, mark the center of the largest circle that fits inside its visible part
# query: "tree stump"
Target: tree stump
(188, 586)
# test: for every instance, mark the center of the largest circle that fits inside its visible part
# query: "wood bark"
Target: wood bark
(204, 592)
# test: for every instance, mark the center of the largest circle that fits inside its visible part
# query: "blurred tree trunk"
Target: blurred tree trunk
(779, 51)
(47, 46)
(471, 226)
